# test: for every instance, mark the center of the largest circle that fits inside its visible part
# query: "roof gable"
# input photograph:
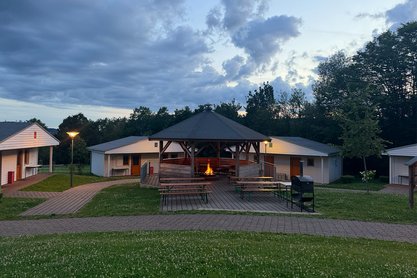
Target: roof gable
(27, 135)
(310, 144)
(209, 126)
(8, 129)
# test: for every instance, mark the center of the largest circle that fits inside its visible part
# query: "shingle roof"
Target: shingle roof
(310, 144)
(8, 129)
(116, 143)
(209, 126)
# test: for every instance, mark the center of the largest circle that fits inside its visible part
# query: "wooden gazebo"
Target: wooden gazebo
(209, 129)
(412, 173)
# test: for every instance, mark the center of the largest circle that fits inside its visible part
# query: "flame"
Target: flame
(209, 171)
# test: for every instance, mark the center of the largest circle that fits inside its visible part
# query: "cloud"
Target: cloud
(262, 39)
(402, 13)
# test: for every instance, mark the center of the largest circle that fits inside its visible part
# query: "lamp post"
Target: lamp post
(72, 135)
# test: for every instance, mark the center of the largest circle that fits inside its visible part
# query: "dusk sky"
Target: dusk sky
(104, 58)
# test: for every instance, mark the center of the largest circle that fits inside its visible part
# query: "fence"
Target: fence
(83, 169)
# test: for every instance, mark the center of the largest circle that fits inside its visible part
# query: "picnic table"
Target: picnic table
(184, 188)
(257, 186)
(233, 180)
(184, 179)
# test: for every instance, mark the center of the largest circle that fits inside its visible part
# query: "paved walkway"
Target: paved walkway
(210, 222)
(12, 190)
(72, 200)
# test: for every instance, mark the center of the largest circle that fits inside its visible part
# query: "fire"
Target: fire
(209, 171)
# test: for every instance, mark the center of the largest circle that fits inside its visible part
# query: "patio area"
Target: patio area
(223, 197)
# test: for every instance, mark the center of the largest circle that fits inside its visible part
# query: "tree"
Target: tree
(229, 110)
(261, 109)
(360, 130)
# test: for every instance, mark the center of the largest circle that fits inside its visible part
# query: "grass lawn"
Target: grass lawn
(127, 199)
(10, 208)
(363, 206)
(84, 169)
(357, 185)
(208, 254)
(61, 182)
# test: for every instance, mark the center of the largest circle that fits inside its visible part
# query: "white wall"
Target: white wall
(33, 160)
(97, 163)
(26, 139)
(332, 167)
(8, 163)
(153, 159)
(397, 168)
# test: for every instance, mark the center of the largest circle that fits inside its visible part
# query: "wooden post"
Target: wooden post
(161, 146)
(237, 158)
(51, 154)
(192, 158)
(412, 185)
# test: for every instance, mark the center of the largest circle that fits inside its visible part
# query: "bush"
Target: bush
(384, 179)
(347, 179)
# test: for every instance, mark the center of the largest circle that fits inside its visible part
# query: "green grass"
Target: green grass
(10, 208)
(84, 169)
(61, 182)
(357, 185)
(123, 200)
(364, 206)
(203, 254)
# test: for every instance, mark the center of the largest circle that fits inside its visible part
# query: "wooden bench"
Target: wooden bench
(171, 180)
(256, 186)
(184, 188)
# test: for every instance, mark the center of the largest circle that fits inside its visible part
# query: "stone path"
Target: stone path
(210, 222)
(12, 190)
(72, 200)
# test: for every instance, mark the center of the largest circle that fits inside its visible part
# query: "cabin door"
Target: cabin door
(135, 168)
(19, 165)
(294, 166)
(269, 166)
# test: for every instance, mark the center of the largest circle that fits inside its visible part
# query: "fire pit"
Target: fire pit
(209, 173)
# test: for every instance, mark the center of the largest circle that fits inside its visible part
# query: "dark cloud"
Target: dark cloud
(402, 13)
(129, 53)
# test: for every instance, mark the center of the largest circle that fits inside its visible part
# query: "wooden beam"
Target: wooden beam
(161, 146)
(185, 148)
(166, 146)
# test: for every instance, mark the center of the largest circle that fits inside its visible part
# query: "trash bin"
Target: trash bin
(151, 170)
(10, 177)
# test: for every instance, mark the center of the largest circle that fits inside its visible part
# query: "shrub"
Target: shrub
(384, 179)
(368, 175)
(347, 179)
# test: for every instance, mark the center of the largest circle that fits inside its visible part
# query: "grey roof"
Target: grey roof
(209, 126)
(411, 161)
(8, 129)
(310, 144)
(104, 147)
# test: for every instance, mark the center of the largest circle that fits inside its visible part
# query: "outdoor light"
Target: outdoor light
(72, 135)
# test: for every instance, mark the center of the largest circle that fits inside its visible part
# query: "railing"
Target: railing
(83, 169)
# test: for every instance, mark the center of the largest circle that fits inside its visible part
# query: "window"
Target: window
(125, 159)
(156, 144)
(27, 157)
(310, 162)
(270, 144)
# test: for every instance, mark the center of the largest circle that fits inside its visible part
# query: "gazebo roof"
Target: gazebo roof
(209, 126)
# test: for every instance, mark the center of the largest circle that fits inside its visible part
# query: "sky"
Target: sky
(103, 58)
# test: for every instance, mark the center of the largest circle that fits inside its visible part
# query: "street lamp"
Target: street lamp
(72, 135)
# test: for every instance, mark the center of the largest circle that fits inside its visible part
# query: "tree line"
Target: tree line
(364, 102)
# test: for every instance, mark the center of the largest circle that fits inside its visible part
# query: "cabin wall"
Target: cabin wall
(97, 163)
(398, 168)
(8, 163)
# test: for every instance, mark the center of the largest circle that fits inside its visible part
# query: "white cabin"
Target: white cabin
(281, 158)
(125, 156)
(19, 147)
(398, 157)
